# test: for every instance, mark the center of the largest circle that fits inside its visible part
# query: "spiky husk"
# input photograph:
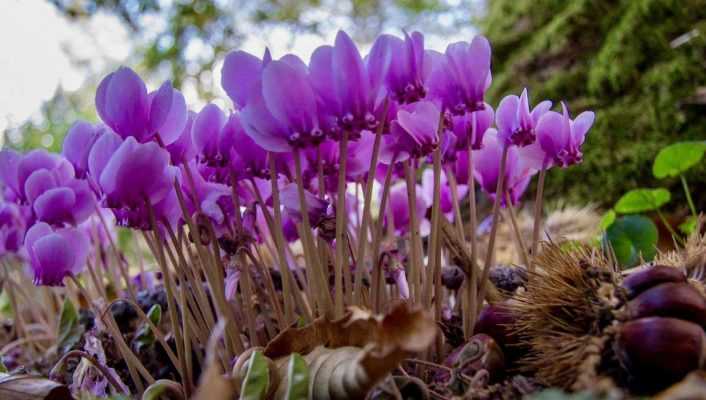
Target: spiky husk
(563, 314)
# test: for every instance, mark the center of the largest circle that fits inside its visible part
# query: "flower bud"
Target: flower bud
(640, 281)
(676, 300)
(495, 320)
(660, 350)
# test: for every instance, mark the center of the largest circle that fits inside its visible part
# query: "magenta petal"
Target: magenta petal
(160, 103)
(551, 134)
(55, 205)
(176, 119)
(9, 162)
(35, 160)
(126, 103)
(281, 83)
(206, 130)
(540, 109)
(102, 99)
(506, 116)
(77, 145)
(53, 260)
(101, 152)
(581, 125)
(262, 127)
(350, 77)
(241, 71)
(34, 233)
(39, 182)
(85, 203)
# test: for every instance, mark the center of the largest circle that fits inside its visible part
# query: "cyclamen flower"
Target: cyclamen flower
(401, 65)
(125, 106)
(461, 75)
(213, 135)
(470, 128)
(486, 168)
(516, 124)
(182, 150)
(414, 133)
(561, 138)
(241, 73)
(55, 253)
(13, 222)
(77, 145)
(317, 209)
(445, 194)
(398, 209)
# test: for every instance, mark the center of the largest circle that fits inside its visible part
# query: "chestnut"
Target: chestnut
(676, 300)
(640, 281)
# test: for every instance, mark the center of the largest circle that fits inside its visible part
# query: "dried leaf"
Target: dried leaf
(257, 380)
(27, 387)
(213, 385)
(70, 329)
(348, 356)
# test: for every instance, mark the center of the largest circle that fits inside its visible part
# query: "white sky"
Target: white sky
(38, 45)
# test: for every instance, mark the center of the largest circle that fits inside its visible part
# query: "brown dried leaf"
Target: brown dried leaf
(27, 387)
(348, 356)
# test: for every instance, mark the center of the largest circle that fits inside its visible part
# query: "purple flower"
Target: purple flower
(401, 65)
(445, 195)
(209, 136)
(486, 168)
(241, 73)
(398, 209)
(55, 253)
(470, 128)
(516, 124)
(414, 132)
(317, 208)
(58, 200)
(77, 145)
(561, 138)
(182, 150)
(125, 106)
(247, 158)
(460, 76)
(13, 222)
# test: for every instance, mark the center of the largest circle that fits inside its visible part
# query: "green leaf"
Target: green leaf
(297, 378)
(70, 329)
(640, 200)
(145, 336)
(607, 220)
(689, 226)
(257, 380)
(630, 237)
(163, 389)
(3, 368)
(676, 158)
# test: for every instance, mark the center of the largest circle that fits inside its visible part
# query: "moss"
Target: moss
(616, 58)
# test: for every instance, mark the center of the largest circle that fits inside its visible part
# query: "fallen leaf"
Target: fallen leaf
(28, 387)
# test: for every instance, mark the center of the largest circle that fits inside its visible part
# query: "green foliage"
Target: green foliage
(632, 238)
(297, 378)
(641, 200)
(616, 57)
(144, 336)
(70, 330)
(257, 380)
(607, 219)
(677, 158)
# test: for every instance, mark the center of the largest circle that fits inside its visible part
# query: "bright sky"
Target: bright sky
(38, 44)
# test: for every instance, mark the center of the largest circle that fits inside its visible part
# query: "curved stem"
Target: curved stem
(688, 195)
(102, 368)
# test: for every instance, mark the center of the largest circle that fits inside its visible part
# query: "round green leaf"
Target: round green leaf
(676, 158)
(632, 238)
(640, 200)
(607, 219)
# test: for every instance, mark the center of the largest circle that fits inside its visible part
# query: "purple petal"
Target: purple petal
(350, 78)
(55, 205)
(126, 103)
(551, 135)
(262, 127)
(206, 130)
(581, 125)
(9, 163)
(289, 96)
(540, 109)
(33, 161)
(77, 145)
(506, 117)
(160, 103)
(101, 152)
(241, 71)
(39, 182)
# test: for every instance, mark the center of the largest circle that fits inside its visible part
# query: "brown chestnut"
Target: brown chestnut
(640, 281)
(676, 300)
(660, 350)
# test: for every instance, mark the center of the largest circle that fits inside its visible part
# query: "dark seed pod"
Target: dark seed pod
(676, 300)
(660, 350)
(452, 277)
(640, 281)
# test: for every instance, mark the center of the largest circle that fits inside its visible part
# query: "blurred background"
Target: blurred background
(640, 64)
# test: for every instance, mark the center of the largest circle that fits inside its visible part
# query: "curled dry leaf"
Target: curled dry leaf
(27, 387)
(213, 384)
(348, 356)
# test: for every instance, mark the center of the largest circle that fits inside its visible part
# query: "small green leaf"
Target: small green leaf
(640, 200)
(144, 336)
(297, 378)
(70, 329)
(689, 226)
(607, 220)
(631, 237)
(257, 380)
(676, 158)
(3, 368)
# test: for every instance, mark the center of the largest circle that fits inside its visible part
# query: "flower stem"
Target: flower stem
(688, 195)
(341, 260)
(415, 238)
(471, 289)
(490, 254)
(537, 216)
